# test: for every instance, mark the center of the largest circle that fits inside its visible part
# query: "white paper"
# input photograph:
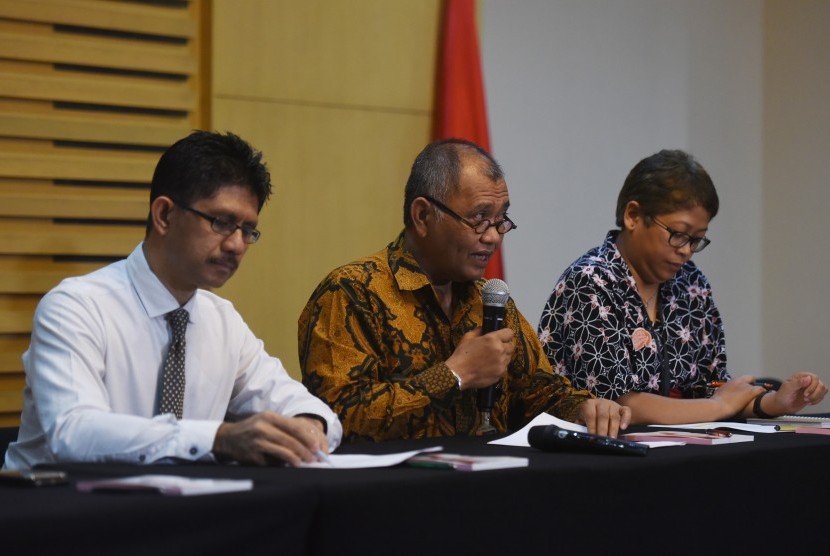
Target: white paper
(721, 424)
(365, 461)
(174, 485)
(519, 438)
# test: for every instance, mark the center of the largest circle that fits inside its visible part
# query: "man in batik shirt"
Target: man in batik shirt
(393, 341)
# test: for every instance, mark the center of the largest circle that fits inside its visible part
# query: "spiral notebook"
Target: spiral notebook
(791, 422)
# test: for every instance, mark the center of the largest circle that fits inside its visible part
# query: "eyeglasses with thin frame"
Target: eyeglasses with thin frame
(502, 226)
(680, 239)
(225, 227)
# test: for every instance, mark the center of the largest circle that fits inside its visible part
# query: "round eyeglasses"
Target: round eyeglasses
(502, 226)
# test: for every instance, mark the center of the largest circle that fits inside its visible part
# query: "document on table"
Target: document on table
(519, 438)
(173, 485)
(721, 425)
(365, 461)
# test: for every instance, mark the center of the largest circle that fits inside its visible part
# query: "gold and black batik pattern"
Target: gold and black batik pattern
(373, 340)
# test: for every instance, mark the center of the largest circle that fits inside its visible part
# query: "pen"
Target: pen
(324, 457)
(719, 383)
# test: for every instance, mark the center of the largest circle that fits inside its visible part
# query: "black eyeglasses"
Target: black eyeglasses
(680, 239)
(502, 226)
(225, 227)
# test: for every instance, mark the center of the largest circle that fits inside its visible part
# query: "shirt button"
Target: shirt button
(193, 451)
(141, 458)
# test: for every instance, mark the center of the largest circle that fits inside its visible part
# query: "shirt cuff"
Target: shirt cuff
(197, 439)
(439, 383)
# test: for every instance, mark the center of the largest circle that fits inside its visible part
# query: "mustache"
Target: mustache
(230, 262)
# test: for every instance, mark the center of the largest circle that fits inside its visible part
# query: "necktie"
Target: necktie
(172, 382)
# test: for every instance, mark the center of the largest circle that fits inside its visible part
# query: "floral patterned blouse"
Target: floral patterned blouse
(595, 329)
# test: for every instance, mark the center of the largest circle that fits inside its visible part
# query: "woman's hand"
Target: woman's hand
(795, 393)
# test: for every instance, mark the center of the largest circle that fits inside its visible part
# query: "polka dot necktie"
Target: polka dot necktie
(172, 382)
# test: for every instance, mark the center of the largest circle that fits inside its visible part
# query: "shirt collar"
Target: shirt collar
(406, 270)
(152, 293)
(408, 274)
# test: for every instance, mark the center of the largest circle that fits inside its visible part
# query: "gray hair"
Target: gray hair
(436, 171)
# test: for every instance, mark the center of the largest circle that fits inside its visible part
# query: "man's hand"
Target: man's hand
(604, 417)
(267, 438)
(797, 392)
(481, 359)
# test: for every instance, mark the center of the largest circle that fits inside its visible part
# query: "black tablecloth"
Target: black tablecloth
(756, 497)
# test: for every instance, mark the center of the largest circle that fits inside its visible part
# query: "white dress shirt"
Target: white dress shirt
(94, 365)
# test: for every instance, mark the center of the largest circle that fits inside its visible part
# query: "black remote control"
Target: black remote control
(550, 438)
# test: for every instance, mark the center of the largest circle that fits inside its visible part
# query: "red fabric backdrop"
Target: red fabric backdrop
(460, 108)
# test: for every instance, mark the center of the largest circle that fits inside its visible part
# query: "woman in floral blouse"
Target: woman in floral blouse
(634, 319)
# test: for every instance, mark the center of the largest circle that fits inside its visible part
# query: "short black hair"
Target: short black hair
(196, 166)
(436, 171)
(665, 182)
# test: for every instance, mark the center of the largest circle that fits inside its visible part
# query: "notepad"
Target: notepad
(461, 462)
(813, 430)
(791, 422)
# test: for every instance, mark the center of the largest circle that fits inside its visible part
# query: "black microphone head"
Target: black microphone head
(542, 437)
(495, 292)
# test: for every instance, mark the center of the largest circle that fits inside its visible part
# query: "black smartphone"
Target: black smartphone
(550, 438)
(31, 477)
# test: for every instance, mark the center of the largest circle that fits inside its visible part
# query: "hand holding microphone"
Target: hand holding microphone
(482, 356)
(494, 298)
(481, 360)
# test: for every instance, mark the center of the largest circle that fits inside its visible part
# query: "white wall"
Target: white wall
(580, 90)
(796, 312)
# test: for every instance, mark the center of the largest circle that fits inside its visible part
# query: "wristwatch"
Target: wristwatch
(756, 408)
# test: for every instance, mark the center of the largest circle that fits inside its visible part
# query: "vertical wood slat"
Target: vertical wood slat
(91, 92)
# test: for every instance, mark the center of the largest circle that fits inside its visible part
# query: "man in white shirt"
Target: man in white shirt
(101, 369)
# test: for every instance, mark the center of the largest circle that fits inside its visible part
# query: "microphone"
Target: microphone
(494, 297)
(550, 438)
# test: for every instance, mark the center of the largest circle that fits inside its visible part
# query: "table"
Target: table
(750, 498)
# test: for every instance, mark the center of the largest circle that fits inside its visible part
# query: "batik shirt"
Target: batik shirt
(373, 340)
(595, 329)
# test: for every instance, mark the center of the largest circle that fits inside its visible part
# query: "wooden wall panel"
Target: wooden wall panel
(47, 123)
(11, 348)
(334, 200)
(367, 54)
(91, 92)
(103, 90)
(35, 275)
(41, 199)
(338, 96)
(97, 52)
(129, 17)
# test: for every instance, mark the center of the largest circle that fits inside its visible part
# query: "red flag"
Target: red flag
(460, 110)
